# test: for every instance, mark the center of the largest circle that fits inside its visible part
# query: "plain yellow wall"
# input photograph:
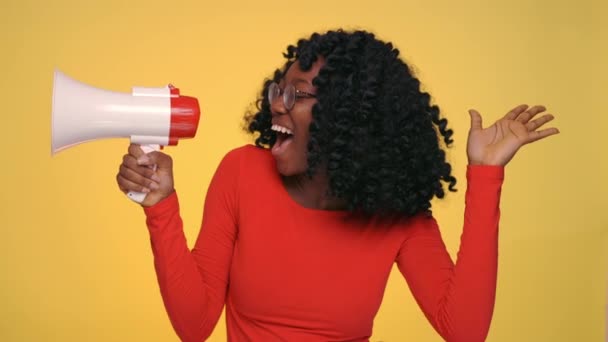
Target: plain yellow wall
(75, 260)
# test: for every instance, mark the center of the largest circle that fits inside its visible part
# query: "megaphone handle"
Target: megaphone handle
(140, 196)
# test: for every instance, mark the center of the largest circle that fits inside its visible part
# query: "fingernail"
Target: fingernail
(146, 190)
(154, 186)
(143, 160)
(155, 178)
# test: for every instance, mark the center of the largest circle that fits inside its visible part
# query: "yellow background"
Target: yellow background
(75, 260)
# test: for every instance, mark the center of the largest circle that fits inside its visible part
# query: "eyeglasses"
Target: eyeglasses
(290, 94)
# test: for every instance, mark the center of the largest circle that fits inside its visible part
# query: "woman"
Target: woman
(300, 232)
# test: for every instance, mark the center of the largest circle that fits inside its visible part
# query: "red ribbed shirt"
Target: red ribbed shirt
(290, 273)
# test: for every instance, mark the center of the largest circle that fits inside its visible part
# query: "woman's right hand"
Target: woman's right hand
(137, 174)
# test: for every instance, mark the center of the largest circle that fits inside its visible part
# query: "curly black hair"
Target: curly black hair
(373, 126)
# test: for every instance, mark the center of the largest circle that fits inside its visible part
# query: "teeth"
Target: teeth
(281, 129)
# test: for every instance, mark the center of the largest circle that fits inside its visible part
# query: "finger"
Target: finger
(476, 121)
(513, 113)
(135, 181)
(126, 185)
(123, 190)
(161, 160)
(140, 156)
(136, 151)
(138, 177)
(537, 123)
(130, 162)
(120, 186)
(530, 113)
(537, 135)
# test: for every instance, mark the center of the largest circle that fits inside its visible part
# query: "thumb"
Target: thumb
(156, 158)
(475, 120)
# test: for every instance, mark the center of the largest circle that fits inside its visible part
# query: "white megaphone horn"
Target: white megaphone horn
(151, 117)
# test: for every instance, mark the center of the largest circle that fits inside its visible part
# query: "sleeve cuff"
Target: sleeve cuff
(486, 172)
(168, 205)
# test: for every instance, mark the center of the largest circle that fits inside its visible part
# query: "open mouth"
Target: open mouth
(284, 138)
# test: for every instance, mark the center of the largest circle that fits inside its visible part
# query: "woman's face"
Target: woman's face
(290, 149)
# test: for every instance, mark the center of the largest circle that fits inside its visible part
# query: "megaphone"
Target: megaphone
(151, 117)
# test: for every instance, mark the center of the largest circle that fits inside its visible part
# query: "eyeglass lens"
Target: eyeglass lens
(289, 94)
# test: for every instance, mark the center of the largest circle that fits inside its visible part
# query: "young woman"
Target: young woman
(300, 232)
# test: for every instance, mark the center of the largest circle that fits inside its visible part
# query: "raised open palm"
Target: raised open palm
(497, 144)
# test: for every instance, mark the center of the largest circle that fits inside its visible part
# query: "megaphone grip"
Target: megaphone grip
(139, 197)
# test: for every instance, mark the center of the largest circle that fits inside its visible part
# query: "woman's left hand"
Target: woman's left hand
(497, 144)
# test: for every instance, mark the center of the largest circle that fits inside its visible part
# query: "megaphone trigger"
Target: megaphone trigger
(150, 148)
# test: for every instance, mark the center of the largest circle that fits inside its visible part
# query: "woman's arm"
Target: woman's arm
(458, 300)
(193, 283)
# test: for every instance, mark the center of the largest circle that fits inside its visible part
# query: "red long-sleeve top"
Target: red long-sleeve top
(290, 273)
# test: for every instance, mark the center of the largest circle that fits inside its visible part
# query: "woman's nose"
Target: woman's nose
(277, 107)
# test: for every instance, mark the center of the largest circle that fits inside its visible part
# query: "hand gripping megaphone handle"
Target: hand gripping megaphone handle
(139, 197)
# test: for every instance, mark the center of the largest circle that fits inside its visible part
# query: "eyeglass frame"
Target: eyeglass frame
(285, 93)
